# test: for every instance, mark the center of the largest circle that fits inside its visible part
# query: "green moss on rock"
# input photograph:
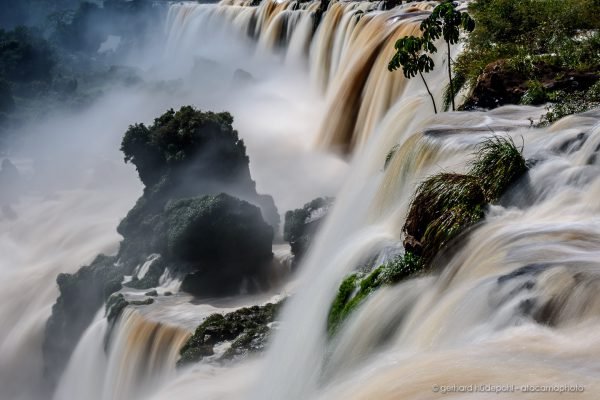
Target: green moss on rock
(443, 207)
(247, 328)
(357, 287)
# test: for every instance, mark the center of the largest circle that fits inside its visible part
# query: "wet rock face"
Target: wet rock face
(302, 224)
(245, 331)
(500, 84)
(81, 296)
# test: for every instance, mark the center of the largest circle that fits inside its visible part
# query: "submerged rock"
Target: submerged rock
(247, 329)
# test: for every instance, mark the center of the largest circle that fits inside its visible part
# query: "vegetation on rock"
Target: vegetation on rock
(564, 103)
(522, 43)
(183, 221)
(247, 329)
(356, 287)
(444, 206)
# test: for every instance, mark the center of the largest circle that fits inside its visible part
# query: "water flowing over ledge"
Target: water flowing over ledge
(346, 56)
(515, 302)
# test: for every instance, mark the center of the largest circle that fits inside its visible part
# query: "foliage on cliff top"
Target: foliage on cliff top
(528, 33)
(177, 138)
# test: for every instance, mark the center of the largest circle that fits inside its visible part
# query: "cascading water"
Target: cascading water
(516, 303)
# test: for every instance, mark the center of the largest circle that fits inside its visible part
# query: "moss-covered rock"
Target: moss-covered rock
(443, 207)
(442, 203)
(224, 241)
(302, 224)
(446, 204)
(246, 328)
(186, 160)
(355, 288)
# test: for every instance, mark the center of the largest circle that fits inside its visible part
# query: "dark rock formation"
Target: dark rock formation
(247, 328)
(184, 222)
(81, 296)
(302, 224)
(223, 240)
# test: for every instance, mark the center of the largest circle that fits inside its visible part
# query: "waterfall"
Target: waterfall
(346, 56)
(138, 357)
(514, 303)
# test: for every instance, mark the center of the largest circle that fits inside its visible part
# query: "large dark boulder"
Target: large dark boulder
(224, 242)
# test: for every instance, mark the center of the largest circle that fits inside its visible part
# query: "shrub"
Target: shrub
(571, 103)
(441, 197)
(535, 94)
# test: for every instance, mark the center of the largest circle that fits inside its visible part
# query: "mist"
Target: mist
(74, 187)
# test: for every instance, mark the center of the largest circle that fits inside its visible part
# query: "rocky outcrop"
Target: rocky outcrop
(501, 84)
(302, 224)
(199, 217)
(243, 331)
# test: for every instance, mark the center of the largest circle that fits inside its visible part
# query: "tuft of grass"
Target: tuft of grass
(444, 206)
(355, 288)
(450, 224)
(498, 164)
(434, 198)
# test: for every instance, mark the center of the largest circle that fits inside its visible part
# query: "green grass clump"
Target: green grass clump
(431, 208)
(356, 287)
(444, 206)
(450, 223)
(498, 163)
